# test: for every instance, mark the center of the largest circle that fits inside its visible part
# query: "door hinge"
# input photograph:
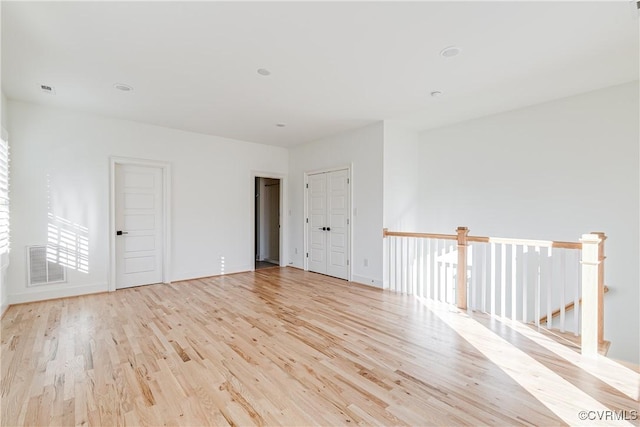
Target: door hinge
(347, 262)
(348, 180)
(307, 254)
(347, 221)
(307, 220)
(307, 185)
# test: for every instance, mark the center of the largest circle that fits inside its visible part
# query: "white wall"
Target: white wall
(362, 148)
(552, 171)
(401, 181)
(60, 162)
(401, 177)
(4, 292)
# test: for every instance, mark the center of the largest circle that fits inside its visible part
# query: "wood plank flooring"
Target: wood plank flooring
(285, 347)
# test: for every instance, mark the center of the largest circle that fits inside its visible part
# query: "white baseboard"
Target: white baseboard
(4, 298)
(272, 261)
(59, 292)
(375, 283)
(190, 275)
(3, 307)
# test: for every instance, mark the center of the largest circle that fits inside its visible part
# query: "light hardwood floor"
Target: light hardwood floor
(284, 347)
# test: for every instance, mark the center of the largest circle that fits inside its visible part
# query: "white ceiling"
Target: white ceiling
(335, 65)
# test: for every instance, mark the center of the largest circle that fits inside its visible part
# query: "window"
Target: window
(4, 199)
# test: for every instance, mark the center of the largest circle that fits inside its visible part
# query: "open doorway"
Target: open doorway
(267, 222)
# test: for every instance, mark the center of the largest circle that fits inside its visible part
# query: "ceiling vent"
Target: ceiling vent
(48, 89)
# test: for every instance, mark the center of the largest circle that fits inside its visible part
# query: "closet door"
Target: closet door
(328, 223)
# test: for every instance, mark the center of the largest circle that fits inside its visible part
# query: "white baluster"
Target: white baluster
(421, 268)
(398, 265)
(549, 287)
(503, 280)
(405, 257)
(407, 266)
(447, 272)
(392, 263)
(452, 267)
(444, 293)
(514, 271)
(415, 267)
(537, 288)
(493, 279)
(442, 296)
(525, 291)
(576, 298)
(563, 273)
(485, 271)
(410, 264)
(436, 272)
(429, 263)
(473, 259)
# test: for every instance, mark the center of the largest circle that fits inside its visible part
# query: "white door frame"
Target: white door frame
(305, 190)
(166, 214)
(284, 215)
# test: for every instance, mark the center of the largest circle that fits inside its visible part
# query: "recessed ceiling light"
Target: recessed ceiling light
(280, 125)
(264, 72)
(449, 52)
(123, 87)
(48, 89)
(436, 94)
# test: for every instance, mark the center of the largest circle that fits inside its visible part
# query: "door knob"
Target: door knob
(322, 228)
(328, 228)
(120, 232)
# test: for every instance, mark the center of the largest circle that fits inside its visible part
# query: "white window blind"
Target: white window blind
(4, 197)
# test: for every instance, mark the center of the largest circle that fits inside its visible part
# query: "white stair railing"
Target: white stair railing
(517, 279)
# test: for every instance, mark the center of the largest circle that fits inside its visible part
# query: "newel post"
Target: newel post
(591, 294)
(461, 288)
(601, 258)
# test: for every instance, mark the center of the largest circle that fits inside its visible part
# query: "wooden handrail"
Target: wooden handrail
(482, 239)
(567, 307)
(591, 247)
(386, 233)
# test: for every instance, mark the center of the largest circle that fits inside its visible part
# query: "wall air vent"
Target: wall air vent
(48, 89)
(41, 271)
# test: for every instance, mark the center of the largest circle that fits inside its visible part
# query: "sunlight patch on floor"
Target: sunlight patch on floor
(606, 370)
(557, 394)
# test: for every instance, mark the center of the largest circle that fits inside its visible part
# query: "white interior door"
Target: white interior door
(317, 209)
(328, 226)
(337, 224)
(139, 225)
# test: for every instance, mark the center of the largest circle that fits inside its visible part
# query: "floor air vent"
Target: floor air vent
(41, 270)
